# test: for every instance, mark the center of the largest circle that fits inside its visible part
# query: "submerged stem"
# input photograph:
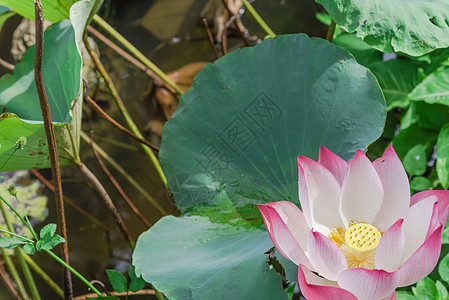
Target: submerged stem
(258, 19)
(97, 19)
(115, 95)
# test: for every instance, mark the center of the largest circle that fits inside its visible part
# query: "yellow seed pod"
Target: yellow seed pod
(362, 237)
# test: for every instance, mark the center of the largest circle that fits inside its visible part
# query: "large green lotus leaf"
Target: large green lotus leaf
(54, 11)
(397, 79)
(193, 258)
(237, 133)
(434, 88)
(414, 27)
(62, 80)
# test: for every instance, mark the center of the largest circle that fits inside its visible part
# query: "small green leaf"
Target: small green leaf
(118, 281)
(426, 289)
(137, 283)
(49, 242)
(403, 295)
(443, 268)
(442, 291)
(291, 290)
(421, 183)
(11, 242)
(415, 161)
(48, 230)
(29, 249)
(323, 18)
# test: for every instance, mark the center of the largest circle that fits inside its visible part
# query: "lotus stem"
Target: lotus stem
(331, 31)
(51, 141)
(258, 18)
(122, 40)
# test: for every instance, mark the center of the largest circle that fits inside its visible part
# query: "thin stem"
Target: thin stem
(9, 283)
(129, 58)
(15, 275)
(42, 274)
(70, 202)
(330, 32)
(16, 235)
(51, 140)
(127, 177)
(258, 18)
(109, 204)
(211, 39)
(124, 110)
(23, 265)
(9, 157)
(103, 24)
(73, 271)
(116, 124)
(7, 65)
(20, 217)
(119, 188)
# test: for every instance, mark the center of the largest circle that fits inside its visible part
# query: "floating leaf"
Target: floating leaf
(237, 133)
(412, 27)
(192, 258)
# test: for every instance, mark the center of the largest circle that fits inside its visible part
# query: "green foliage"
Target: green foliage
(442, 164)
(118, 281)
(415, 161)
(434, 88)
(62, 80)
(48, 239)
(413, 27)
(137, 283)
(443, 268)
(363, 53)
(260, 108)
(54, 11)
(11, 242)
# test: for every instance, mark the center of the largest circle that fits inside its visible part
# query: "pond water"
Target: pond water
(170, 33)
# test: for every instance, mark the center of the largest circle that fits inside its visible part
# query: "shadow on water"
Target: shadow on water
(170, 33)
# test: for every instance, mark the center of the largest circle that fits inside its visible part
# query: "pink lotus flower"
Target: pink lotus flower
(359, 235)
